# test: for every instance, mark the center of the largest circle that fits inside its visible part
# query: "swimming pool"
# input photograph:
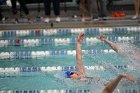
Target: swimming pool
(35, 60)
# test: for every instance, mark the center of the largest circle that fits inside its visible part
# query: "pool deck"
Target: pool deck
(68, 22)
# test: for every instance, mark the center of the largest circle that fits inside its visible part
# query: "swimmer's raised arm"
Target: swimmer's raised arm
(113, 45)
(80, 73)
(80, 66)
(113, 84)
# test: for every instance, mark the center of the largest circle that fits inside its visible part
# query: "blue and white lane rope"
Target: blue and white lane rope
(47, 91)
(60, 68)
(130, 90)
(47, 32)
(66, 41)
(43, 54)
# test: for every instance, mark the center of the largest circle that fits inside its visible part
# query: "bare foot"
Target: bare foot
(102, 37)
(83, 19)
(80, 37)
(135, 17)
(129, 77)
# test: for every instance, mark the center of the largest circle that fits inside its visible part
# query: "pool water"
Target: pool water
(41, 57)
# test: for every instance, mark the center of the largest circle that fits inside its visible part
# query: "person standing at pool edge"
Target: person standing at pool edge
(56, 7)
(80, 73)
(22, 6)
(136, 4)
(82, 9)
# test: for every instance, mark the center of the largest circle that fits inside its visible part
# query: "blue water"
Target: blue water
(51, 80)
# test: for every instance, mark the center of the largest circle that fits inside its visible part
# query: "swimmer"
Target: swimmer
(113, 84)
(119, 48)
(113, 45)
(80, 67)
(80, 73)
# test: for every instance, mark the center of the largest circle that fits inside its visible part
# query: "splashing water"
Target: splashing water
(132, 54)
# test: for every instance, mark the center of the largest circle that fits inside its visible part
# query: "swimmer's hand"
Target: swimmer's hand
(129, 77)
(80, 37)
(102, 37)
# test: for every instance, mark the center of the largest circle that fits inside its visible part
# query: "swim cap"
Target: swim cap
(67, 73)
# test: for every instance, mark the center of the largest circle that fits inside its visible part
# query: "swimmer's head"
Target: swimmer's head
(68, 74)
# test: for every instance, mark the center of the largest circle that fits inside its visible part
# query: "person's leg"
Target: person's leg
(47, 6)
(94, 9)
(89, 8)
(113, 84)
(80, 66)
(14, 7)
(100, 8)
(103, 10)
(56, 7)
(136, 7)
(82, 9)
(23, 6)
(136, 4)
(0, 14)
